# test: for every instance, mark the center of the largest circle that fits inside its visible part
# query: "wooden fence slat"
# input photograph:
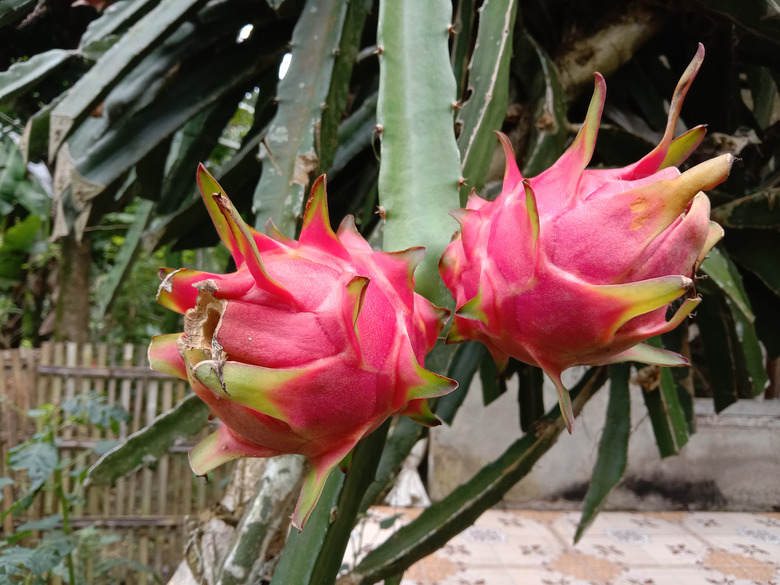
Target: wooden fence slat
(134, 372)
(71, 359)
(150, 534)
(84, 385)
(9, 434)
(43, 384)
(109, 494)
(94, 494)
(135, 425)
(143, 552)
(150, 399)
(159, 546)
(57, 391)
(22, 391)
(148, 508)
(162, 465)
(121, 484)
(9, 404)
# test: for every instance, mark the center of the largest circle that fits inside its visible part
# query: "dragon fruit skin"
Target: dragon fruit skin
(308, 347)
(576, 266)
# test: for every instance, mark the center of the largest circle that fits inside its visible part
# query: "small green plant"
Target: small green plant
(60, 550)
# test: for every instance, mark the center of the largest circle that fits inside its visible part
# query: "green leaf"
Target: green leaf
(14, 560)
(756, 251)
(399, 444)
(35, 138)
(338, 96)
(288, 152)
(418, 177)
(104, 566)
(297, 560)
(192, 144)
(39, 459)
(759, 210)
(764, 92)
(488, 83)
(677, 341)
(25, 75)
(356, 133)
(386, 523)
(713, 321)
(131, 247)
(459, 364)
(548, 133)
(733, 355)
(661, 393)
(620, 147)
(186, 225)
(360, 476)
(613, 447)
(4, 481)
(104, 446)
(18, 186)
(140, 40)
(462, 30)
(16, 246)
(723, 273)
(104, 31)
(182, 421)
(43, 524)
(50, 552)
(264, 517)
(125, 144)
(672, 407)
(746, 357)
(464, 365)
(766, 307)
(93, 408)
(441, 521)
(760, 17)
(13, 10)
(751, 359)
(530, 395)
(488, 375)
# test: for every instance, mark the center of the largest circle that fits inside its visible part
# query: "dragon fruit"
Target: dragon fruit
(308, 347)
(576, 266)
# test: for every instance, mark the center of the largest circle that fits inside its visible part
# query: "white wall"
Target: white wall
(731, 463)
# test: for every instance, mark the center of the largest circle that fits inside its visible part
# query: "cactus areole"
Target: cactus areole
(306, 348)
(579, 266)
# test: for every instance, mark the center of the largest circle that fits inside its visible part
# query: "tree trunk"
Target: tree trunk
(73, 296)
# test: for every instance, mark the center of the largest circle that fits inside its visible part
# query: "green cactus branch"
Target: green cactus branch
(488, 85)
(418, 179)
(443, 520)
(289, 151)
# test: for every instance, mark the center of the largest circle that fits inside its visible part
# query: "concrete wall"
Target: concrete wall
(731, 463)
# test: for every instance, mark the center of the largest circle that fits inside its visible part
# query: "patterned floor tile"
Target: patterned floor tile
(536, 548)
(476, 546)
(528, 541)
(677, 576)
(587, 568)
(730, 565)
(544, 576)
(530, 550)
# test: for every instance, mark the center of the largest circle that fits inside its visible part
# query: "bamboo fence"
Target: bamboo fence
(148, 509)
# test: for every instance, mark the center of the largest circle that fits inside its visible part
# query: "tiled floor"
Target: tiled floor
(620, 548)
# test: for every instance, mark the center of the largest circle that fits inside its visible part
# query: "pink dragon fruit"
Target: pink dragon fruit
(308, 347)
(578, 266)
